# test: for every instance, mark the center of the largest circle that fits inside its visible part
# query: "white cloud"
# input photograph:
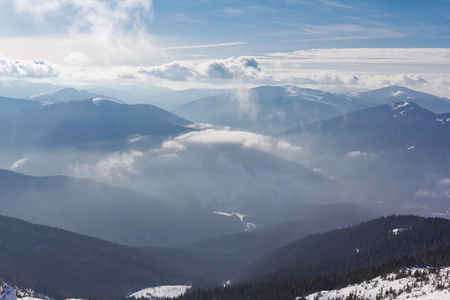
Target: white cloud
(115, 166)
(37, 9)
(245, 139)
(426, 194)
(26, 68)
(423, 69)
(212, 136)
(284, 145)
(205, 46)
(93, 32)
(173, 145)
(359, 154)
(369, 55)
(19, 163)
(90, 16)
(441, 189)
(124, 165)
(200, 126)
(76, 58)
(444, 182)
(230, 68)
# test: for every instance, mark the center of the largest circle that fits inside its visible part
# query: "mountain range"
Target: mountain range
(232, 181)
(77, 123)
(62, 264)
(69, 264)
(107, 212)
(64, 95)
(268, 109)
(404, 142)
(337, 258)
(369, 244)
(391, 94)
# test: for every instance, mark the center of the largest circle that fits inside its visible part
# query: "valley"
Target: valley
(216, 149)
(197, 201)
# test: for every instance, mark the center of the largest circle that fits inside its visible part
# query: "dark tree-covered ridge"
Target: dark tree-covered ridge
(341, 257)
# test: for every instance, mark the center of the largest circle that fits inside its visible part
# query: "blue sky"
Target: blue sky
(194, 43)
(272, 26)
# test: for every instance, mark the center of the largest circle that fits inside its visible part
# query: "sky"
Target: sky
(325, 44)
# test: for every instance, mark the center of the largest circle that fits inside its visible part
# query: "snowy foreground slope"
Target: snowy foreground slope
(414, 283)
(161, 292)
(153, 293)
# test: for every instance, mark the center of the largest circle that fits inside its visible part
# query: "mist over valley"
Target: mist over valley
(224, 149)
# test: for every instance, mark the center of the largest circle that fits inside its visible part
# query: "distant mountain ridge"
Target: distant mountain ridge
(268, 109)
(85, 121)
(103, 211)
(393, 126)
(395, 93)
(404, 142)
(65, 95)
(63, 264)
(367, 244)
(273, 109)
(340, 257)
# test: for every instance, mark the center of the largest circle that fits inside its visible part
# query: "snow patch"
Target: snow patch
(161, 292)
(398, 93)
(414, 283)
(443, 121)
(397, 105)
(398, 230)
(8, 293)
(240, 216)
(105, 101)
(247, 225)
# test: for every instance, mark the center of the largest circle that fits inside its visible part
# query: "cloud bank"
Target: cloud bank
(124, 165)
(25, 68)
(89, 16)
(230, 68)
(84, 33)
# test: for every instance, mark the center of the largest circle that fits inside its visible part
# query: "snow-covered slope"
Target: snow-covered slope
(14, 293)
(160, 292)
(414, 283)
(8, 293)
(398, 93)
